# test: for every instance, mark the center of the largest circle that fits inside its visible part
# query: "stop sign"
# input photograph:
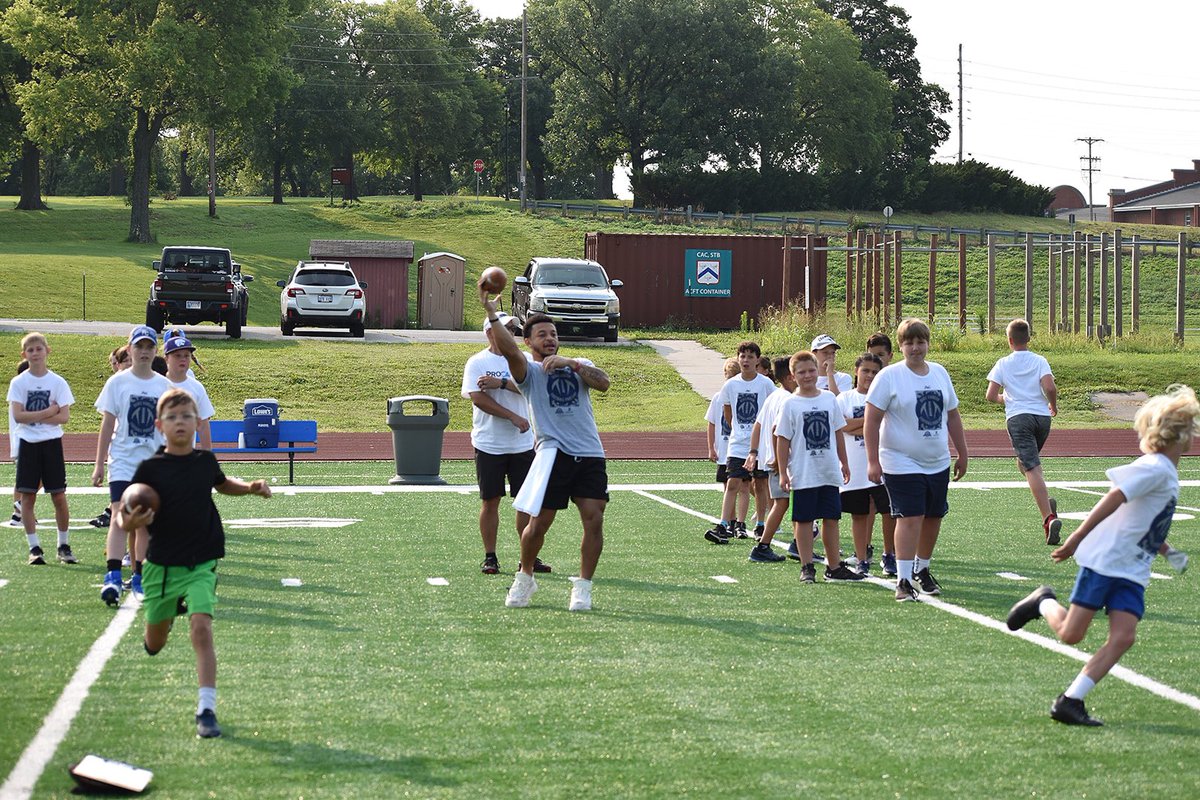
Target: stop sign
(479, 165)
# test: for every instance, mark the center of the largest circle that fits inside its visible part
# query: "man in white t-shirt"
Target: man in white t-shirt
(741, 398)
(501, 436)
(911, 418)
(1023, 383)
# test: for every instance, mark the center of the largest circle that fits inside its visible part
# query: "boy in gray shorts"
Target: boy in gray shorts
(1023, 383)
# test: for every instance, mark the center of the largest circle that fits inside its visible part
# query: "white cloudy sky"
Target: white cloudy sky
(1040, 74)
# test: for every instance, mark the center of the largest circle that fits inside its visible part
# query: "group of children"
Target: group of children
(878, 441)
(150, 421)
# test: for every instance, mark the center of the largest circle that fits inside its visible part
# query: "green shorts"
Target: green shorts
(164, 587)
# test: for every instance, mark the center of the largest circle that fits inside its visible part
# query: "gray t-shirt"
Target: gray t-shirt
(561, 410)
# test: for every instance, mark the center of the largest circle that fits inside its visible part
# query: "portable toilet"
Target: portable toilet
(440, 286)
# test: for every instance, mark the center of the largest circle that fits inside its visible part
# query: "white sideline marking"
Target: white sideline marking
(37, 755)
(723, 579)
(1161, 577)
(3, 582)
(291, 582)
(1121, 673)
(676, 506)
(437, 581)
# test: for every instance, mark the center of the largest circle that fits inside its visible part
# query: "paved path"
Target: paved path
(700, 366)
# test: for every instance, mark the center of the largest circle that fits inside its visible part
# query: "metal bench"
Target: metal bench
(295, 436)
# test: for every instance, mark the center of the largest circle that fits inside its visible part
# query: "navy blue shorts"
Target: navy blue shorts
(818, 502)
(916, 494)
(1095, 591)
(115, 490)
(857, 502)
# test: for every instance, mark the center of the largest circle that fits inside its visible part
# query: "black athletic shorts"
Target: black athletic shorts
(491, 471)
(736, 468)
(858, 501)
(41, 463)
(575, 476)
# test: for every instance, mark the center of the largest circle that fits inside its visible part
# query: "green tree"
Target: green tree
(14, 70)
(642, 79)
(147, 62)
(917, 106)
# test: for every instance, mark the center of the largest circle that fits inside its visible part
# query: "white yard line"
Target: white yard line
(37, 755)
(1120, 673)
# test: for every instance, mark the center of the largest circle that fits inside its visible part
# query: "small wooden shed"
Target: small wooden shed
(384, 265)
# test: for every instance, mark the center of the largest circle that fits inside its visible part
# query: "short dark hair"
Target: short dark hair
(878, 339)
(874, 359)
(749, 347)
(782, 367)
(534, 319)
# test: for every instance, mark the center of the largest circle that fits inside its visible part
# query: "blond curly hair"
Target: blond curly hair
(1168, 418)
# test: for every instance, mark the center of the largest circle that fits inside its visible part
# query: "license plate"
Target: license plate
(324, 298)
(193, 305)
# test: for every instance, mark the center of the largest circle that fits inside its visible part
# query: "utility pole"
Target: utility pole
(524, 76)
(1092, 165)
(960, 105)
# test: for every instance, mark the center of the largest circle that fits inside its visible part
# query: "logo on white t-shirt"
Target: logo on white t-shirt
(929, 409)
(816, 430)
(747, 408)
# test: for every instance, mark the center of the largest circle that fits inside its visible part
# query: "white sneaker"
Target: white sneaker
(581, 596)
(523, 587)
(126, 561)
(1177, 559)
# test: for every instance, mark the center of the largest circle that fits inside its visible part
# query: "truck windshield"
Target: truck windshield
(569, 275)
(183, 261)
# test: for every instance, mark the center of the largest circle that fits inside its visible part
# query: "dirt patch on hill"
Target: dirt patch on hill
(1119, 405)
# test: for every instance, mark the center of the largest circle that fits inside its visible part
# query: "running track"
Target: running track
(1113, 442)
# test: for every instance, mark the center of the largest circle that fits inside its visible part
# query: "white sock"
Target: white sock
(904, 570)
(34, 541)
(1080, 687)
(64, 538)
(920, 564)
(1047, 606)
(208, 699)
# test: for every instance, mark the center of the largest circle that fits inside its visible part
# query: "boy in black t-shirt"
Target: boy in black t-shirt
(186, 539)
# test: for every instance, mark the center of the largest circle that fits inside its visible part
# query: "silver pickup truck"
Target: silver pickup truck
(574, 292)
(198, 284)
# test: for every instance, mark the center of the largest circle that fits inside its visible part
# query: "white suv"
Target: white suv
(322, 294)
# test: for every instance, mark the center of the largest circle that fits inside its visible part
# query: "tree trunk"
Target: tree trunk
(145, 134)
(185, 180)
(350, 190)
(418, 196)
(604, 181)
(292, 182)
(31, 178)
(212, 172)
(277, 182)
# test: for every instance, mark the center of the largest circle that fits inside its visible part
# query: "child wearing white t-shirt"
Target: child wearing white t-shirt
(811, 458)
(1115, 546)
(1023, 383)
(862, 498)
(911, 417)
(718, 445)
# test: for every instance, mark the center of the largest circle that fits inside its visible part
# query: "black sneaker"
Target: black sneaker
(36, 557)
(765, 554)
(759, 530)
(1026, 610)
(65, 555)
(1070, 711)
(718, 534)
(926, 581)
(739, 530)
(808, 574)
(793, 552)
(541, 566)
(842, 573)
(905, 592)
(490, 566)
(887, 565)
(102, 520)
(206, 724)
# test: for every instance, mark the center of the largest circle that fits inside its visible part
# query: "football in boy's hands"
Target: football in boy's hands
(140, 494)
(493, 279)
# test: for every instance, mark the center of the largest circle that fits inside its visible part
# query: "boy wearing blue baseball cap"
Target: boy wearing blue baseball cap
(128, 406)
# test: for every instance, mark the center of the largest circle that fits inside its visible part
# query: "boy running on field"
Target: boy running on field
(40, 403)
(1115, 546)
(1023, 383)
(812, 465)
(185, 541)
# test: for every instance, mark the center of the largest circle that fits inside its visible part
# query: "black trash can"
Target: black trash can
(417, 438)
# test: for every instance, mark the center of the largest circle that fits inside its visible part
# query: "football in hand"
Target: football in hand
(140, 494)
(493, 280)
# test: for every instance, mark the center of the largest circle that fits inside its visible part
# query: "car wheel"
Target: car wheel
(610, 336)
(154, 317)
(233, 326)
(285, 327)
(358, 330)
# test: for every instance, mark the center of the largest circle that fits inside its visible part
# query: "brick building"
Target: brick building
(1173, 202)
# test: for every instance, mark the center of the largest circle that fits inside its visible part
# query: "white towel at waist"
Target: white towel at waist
(533, 490)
